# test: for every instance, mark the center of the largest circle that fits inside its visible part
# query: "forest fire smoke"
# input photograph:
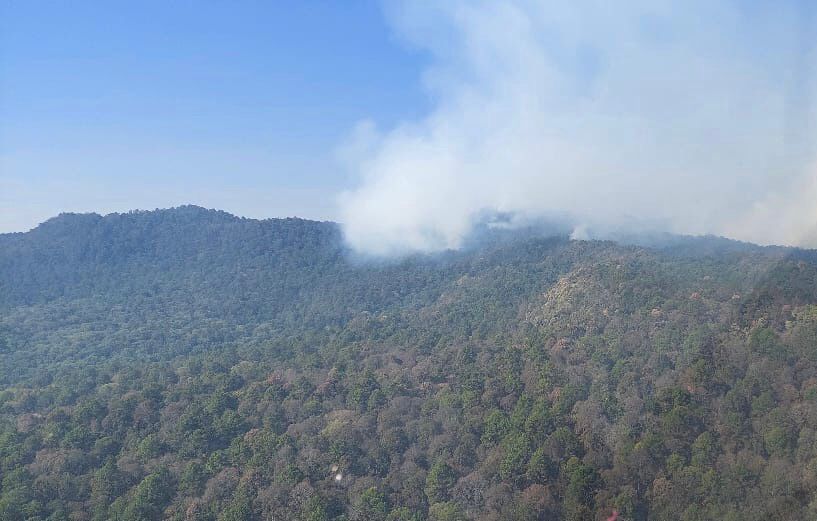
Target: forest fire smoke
(663, 116)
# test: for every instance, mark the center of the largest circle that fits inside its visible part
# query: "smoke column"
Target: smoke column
(689, 117)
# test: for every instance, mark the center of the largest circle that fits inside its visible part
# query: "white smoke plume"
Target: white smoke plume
(691, 116)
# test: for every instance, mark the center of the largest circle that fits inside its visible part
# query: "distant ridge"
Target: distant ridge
(187, 350)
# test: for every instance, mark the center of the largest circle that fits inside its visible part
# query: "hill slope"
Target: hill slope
(189, 364)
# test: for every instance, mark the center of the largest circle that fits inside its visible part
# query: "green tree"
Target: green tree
(150, 497)
(439, 481)
(370, 506)
(581, 483)
(108, 483)
(445, 512)
(240, 507)
(515, 449)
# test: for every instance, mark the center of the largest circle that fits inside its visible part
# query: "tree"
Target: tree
(445, 512)
(150, 497)
(240, 507)
(439, 481)
(515, 455)
(371, 506)
(581, 482)
(108, 483)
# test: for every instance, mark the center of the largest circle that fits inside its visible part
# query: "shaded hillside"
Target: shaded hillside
(188, 364)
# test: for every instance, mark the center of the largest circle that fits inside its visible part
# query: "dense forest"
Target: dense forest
(188, 364)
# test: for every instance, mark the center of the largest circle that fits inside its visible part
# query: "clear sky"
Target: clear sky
(109, 106)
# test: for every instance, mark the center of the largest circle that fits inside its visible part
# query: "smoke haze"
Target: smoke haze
(689, 117)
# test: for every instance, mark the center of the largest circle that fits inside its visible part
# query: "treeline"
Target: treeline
(190, 365)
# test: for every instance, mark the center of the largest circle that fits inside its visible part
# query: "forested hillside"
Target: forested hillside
(187, 364)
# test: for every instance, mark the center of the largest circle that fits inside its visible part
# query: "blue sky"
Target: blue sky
(108, 106)
(409, 120)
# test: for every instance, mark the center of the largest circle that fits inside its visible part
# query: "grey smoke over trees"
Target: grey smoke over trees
(689, 117)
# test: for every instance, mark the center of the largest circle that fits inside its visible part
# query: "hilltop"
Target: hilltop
(190, 364)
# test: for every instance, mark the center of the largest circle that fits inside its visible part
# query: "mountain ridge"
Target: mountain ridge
(662, 240)
(233, 363)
